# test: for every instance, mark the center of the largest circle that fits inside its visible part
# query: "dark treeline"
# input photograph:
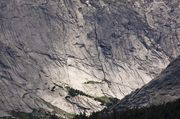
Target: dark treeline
(36, 114)
(169, 110)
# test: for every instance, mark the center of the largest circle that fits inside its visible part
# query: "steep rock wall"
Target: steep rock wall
(99, 47)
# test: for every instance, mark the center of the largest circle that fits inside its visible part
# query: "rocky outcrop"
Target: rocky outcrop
(98, 47)
(164, 88)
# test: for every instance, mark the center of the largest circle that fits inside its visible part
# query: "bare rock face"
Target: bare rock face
(64, 54)
(164, 88)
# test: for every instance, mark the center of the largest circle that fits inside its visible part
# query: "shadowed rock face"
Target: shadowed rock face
(162, 89)
(49, 45)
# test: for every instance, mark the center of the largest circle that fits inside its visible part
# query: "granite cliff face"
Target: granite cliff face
(49, 48)
(164, 88)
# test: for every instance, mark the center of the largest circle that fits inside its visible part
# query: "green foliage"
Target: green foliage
(166, 111)
(74, 92)
(92, 82)
(103, 99)
(107, 101)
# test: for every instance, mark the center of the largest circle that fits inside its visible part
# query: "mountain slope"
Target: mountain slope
(165, 88)
(49, 48)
